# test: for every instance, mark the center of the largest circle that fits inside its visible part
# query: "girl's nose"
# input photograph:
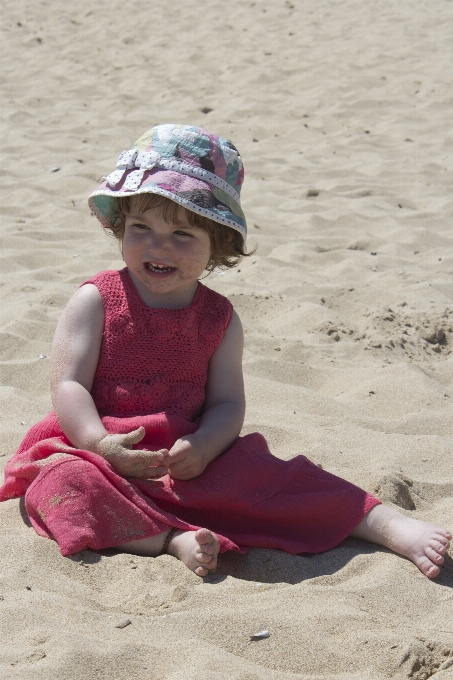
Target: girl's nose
(158, 243)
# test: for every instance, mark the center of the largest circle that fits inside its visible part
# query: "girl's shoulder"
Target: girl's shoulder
(106, 278)
(112, 284)
(213, 304)
(212, 296)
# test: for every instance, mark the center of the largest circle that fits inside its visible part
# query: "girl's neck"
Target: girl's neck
(176, 299)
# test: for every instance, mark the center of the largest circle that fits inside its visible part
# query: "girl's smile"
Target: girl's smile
(159, 268)
(164, 259)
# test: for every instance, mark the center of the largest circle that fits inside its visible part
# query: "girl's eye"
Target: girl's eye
(138, 225)
(181, 232)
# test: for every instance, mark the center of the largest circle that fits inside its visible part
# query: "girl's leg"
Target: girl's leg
(197, 549)
(424, 544)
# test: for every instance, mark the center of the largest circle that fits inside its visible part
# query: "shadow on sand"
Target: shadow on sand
(274, 566)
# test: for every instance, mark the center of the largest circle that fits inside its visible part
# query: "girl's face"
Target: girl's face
(165, 260)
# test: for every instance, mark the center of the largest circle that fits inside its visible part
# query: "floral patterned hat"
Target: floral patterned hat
(198, 170)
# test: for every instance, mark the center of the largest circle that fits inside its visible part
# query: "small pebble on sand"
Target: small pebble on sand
(261, 635)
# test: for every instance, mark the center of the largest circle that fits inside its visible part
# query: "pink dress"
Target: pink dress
(152, 371)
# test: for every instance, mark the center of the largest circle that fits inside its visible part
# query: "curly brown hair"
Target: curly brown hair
(227, 244)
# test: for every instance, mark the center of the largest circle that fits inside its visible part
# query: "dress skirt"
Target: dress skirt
(247, 496)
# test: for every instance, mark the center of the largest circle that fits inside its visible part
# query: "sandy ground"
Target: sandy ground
(342, 113)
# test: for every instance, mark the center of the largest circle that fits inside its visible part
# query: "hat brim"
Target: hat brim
(195, 194)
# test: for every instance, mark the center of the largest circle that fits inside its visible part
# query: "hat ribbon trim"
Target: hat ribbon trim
(147, 160)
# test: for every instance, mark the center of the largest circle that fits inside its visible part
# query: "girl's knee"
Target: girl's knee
(61, 480)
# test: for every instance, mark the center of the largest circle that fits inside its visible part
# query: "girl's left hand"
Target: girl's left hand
(185, 460)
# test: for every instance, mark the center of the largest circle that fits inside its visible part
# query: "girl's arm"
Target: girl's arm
(74, 358)
(223, 412)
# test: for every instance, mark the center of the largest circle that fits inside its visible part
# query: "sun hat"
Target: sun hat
(198, 170)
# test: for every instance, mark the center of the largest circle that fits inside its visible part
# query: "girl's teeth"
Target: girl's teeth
(159, 267)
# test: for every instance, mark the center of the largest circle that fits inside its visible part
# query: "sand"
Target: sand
(342, 113)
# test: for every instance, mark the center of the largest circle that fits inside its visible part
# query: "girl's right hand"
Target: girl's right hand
(116, 449)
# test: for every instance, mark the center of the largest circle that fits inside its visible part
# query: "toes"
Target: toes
(438, 546)
(443, 535)
(206, 568)
(200, 555)
(445, 540)
(446, 533)
(433, 555)
(204, 536)
(203, 557)
(428, 568)
(208, 561)
(432, 571)
(201, 571)
(207, 548)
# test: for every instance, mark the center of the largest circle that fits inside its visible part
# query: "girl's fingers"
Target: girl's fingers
(178, 466)
(148, 464)
(176, 457)
(137, 462)
(151, 458)
(163, 453)
(134, 437)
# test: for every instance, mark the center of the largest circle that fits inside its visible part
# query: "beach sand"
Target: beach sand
(342, 114)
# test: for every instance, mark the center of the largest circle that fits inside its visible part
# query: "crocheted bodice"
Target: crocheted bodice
(155, 360)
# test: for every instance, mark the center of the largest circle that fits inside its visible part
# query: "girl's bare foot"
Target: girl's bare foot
(197, 549)
(424, 544)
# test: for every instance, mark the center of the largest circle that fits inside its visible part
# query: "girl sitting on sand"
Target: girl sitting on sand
(143, 447)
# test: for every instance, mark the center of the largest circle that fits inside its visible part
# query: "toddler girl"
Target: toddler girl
(143, 447)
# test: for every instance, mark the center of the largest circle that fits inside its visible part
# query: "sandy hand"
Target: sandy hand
(116, 449)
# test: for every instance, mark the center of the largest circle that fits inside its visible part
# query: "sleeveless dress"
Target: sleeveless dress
(152, 371)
